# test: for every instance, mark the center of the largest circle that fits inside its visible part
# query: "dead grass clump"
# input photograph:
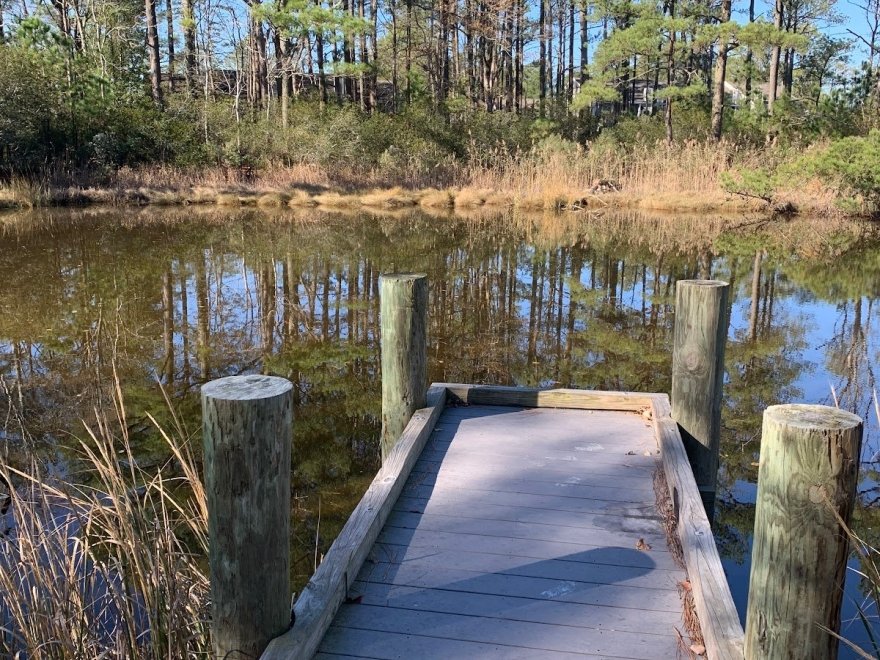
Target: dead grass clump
(202, 194)
(227, 199)
(692, 202)
(529, 202)
(469, 198)
(498, 198)
(21, 192)
(272, 201)
(300, 198)
(392, 198)
(163, 197)
(337, 201)
(437, 199)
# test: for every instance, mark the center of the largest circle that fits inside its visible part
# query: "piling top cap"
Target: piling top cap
(246, 388)
(810, 416)
(713, 283)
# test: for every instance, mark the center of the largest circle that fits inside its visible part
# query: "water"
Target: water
(184, 295)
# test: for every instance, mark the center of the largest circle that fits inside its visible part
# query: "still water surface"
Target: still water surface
(178, 297)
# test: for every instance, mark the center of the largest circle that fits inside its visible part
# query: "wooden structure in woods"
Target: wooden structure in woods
(512, 522)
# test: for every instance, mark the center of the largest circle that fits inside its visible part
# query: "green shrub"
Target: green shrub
(851, 166)
(758, 183)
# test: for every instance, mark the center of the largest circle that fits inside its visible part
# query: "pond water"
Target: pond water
(177, 297)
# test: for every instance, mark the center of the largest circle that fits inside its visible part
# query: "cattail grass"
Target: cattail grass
(111, 568)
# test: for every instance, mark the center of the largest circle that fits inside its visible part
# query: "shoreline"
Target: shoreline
(602, 195)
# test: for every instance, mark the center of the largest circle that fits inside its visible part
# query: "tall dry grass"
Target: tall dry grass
(868, 572)
(22, 192)
(111, 569)
(692, 167)
(557, 176)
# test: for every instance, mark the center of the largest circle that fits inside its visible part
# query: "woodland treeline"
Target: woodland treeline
(103, 83)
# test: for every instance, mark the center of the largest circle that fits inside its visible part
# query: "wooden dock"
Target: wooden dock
(520, 523)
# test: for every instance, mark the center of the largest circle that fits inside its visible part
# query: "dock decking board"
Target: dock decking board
(495, 530)
(493, 449)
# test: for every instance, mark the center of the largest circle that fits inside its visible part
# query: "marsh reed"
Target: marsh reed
(113, 567)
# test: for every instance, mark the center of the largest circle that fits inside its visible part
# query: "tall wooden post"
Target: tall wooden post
(247, 431)
(701, 318)
(404, 324)
(809, 468)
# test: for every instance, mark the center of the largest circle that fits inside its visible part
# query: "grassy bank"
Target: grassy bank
(556, 175)
(560, 177)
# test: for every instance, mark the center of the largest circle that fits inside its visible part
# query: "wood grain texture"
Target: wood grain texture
(247, 433)
(404, 347)
(322, 596)
(484, 535)
(719, 620)
(806, 486)
(701, 320)
(513, 608)
(399, 646)
(544, 636)
(498, 395)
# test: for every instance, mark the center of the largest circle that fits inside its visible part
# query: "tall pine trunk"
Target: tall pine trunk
(394, 55)
(374, 52)
(720, 76)
(670, 74)
(774, 59)
(153, 51)
(570, 51)
(188, 23)
(286, 80)
(542, 61)
(169, 18)
(585, 43)
(749, 56)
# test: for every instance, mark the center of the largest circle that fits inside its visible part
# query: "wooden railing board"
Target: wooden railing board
(722, 632)
(318, 603)
(530, 397)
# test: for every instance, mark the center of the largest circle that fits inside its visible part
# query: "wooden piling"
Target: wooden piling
(404, 324)
(806, 486)
(247, 432)
(701, 319)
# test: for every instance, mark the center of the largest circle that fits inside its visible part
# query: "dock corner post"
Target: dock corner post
(806, 487)
(701, 319)
(404, 327)
(247, 431)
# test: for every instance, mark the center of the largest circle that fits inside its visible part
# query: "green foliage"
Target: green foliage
(749, 183)
(850, 165)
(30, 121)
(847, 166)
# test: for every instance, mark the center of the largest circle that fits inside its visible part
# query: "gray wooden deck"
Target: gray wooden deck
(520, 533)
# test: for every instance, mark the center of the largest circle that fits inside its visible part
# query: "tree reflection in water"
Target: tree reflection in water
(185, 295)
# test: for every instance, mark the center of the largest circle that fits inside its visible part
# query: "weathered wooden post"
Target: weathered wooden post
(247, 431)
(701, 318)
(809, 468)
(404, 325)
